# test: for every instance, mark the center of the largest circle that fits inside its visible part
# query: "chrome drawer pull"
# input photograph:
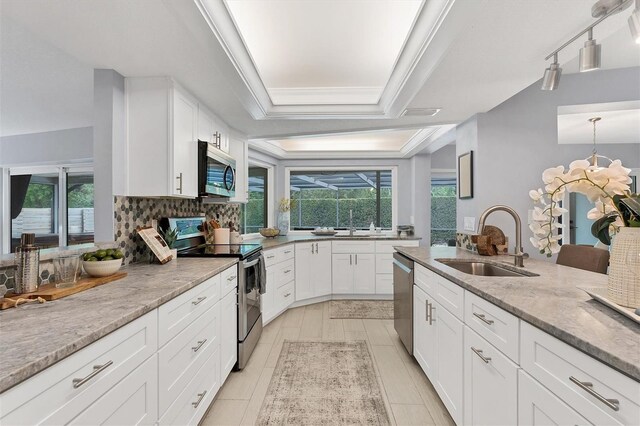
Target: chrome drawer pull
(287, 271)
(200, 398)
(287, 295)
(179, 178)
(614, 404)
(200, 343)
(482, 318)
(271, 257)
(478, 352)
(97, 369)
(287, 252)
(431, 308)
(231, 278)
(200, 299)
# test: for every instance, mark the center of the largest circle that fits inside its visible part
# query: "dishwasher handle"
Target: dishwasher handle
(402, 266)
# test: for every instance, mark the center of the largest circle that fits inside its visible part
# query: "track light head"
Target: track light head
(551, 77)
(590, 54)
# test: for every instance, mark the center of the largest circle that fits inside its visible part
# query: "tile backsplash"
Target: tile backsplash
(8, 276)
(463, 241)
(131, 212)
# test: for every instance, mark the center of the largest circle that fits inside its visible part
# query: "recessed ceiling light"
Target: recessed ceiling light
(420, 112)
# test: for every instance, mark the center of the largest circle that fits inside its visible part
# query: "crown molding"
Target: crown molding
(325, 95)
(410, 72)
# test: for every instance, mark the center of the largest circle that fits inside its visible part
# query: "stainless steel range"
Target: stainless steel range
(251, 279)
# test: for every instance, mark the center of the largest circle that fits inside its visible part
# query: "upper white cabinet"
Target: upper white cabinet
(239, 150)
(161, 144)
(212, 129)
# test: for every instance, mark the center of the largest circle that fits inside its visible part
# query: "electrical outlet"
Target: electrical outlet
(470, 224)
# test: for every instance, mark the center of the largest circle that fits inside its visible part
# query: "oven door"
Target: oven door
(248, 296)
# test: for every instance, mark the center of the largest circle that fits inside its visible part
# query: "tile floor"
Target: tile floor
(410, 397)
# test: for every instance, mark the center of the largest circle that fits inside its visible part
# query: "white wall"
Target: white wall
(514, 142)
(444, 158)
(58, 146)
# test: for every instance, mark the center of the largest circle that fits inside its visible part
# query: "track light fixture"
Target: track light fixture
(551, 77)
(590, 54)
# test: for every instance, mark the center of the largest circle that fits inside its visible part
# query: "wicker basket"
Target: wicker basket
(624, 281)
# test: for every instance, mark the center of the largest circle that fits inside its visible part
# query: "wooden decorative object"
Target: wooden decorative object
(156, 243)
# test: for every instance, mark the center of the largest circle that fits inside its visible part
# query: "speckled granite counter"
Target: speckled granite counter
(550, 302)
(36, 336)
(269, 243)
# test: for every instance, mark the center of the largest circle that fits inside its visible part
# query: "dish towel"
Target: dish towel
(262, 275)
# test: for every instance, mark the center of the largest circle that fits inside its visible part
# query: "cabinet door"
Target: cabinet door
(239, 151)
(268, 299)
(537, 406)
(342, 273)
(223, 130)
(364, 273)
(322, 269)
(449, 347)
(491, 380)
(133, 401)
(184, 181)
(228, 334)
(205, 124)
(424, 333)
(304, 270)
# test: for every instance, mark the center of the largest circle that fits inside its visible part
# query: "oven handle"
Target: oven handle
(250, 264)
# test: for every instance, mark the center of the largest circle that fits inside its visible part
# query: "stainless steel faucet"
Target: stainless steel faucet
(519, 255)
(351, 228)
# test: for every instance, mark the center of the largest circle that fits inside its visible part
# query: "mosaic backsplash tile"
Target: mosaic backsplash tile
(131, 212)
(464, 241)
(7, 276)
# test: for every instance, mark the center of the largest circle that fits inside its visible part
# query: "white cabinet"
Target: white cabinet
(491, 380)
(212, 129)
(539, 407)
(354, 272)
(239, 150)
(281, 273)
(228, 334)
(313, 269)
(364, 273)
(161, 149)
(342, 273)
(424, 332)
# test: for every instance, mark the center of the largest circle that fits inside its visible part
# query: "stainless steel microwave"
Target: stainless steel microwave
(216, 172)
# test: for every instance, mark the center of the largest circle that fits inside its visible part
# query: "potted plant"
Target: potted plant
(170, 237)
(616, 213)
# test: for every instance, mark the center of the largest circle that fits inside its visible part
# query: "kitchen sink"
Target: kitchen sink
(485, 269)
(352, 236)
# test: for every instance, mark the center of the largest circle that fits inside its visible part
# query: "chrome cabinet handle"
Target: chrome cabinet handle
(483, 318)
(287, 271)
(200, 398)
(317, 251)
(231, 278)
(426, 309)
(350, 259)
(356, 259)
(614, 404)
(271, 257)
(287, 295)
(97, 369)
(179, 178)
(287, 252)
(478, 352)
(199, 300)
(431, 308)
(312, 249)
(199, 345)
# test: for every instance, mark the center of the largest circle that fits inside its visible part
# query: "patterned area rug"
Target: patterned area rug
(324, 383)
(365, 309)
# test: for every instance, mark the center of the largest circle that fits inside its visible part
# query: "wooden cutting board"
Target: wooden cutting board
(49, 292)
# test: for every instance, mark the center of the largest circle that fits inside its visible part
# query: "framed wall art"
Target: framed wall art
(465, 175)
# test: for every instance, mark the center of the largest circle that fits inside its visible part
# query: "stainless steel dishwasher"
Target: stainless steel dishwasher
(403, 299)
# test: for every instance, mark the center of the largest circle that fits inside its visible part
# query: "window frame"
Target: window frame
(270, 194)
(394, 185)
(61, 170)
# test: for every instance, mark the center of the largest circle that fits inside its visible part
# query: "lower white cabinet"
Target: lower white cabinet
(313, 269)
(491, 380)
(354, 273)
(539, 407)
(228, 334)
(133, 401)
(424, 333)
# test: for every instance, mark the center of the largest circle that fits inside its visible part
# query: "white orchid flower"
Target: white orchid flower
(601, 209)
(551, 174)
(536, 195)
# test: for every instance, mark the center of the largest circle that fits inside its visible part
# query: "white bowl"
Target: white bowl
(102, 269)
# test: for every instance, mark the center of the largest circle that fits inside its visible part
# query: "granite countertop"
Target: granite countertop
(269, 243)
(550, 301)
(36, 336)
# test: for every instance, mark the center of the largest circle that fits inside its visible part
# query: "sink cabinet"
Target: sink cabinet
(313, 269)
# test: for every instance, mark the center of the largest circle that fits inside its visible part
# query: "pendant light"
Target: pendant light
(551, 77)
(634, 23)
(594, 153)
(590, 54)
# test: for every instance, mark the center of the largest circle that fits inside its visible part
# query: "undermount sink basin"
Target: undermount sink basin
(484, 269)
(352, 236)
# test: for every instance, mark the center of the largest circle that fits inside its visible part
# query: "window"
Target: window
(325, 198)
(255, 211)
(443, 211)
(55, 203)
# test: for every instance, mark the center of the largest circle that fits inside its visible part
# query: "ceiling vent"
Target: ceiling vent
(420, 112)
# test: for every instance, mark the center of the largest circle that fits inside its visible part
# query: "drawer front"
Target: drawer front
(425, 279)
(286, 272)
(271, 257)
(52, 397)
(384, 263)
(496, 325)
(388, 246)
(539, 407)
(228, 280)
(285, 296)
(353, 246)
(175, 315)
(287, 252)
(489, 376)
(183, 356)
(384, 284)
(449, 295)
(133, 401)
(191, 405)
(554, 363)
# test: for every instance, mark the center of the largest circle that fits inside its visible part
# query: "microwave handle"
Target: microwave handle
(233, 178)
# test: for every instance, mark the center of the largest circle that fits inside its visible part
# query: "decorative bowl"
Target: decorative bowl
(269, 232)
(102, 268)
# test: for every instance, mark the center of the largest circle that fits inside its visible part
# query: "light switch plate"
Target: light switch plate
(469, 223)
